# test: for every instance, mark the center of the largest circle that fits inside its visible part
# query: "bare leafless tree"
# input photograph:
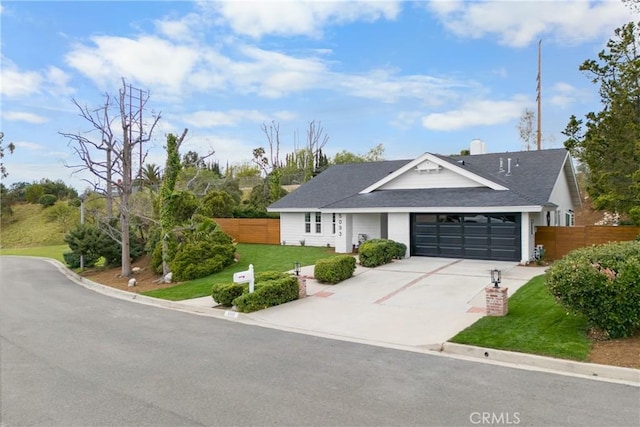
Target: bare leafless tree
(109, 157)
(268, 164)
(316, 140)
(525, 129)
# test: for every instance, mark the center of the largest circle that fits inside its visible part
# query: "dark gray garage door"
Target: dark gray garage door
(475, 236)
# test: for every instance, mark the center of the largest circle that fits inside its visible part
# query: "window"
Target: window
(569, 218)
(333, 223)
(317, 221)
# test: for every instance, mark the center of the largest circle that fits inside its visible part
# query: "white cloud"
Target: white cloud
(16, 83)
(406, 119)
(184, 28)
(287, 18)
(24, 117)
(564, 95)
(521, 23)
(57, 81)
(389, 87)
(148, 60)
(476, 113)
(30, 146)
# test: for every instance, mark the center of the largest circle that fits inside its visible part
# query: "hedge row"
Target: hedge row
(268, 294)
(602, 283)
(375, 252)
(335, 269)
(228, 294)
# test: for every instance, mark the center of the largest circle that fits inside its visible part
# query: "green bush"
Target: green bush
(112, 250)
(602, 283)
(399, 250)
(47, 200)
(225, 293)
(265, 276)
(375, 252)
(72, 260)
(195, 260)
(268, 294)
(335, 269)
(85, 239)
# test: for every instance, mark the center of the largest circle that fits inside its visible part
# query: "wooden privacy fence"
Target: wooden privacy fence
(251, 230)
(558, 241)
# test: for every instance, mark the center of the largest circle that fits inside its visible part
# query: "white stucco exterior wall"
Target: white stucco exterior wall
(527, 243)
(562, 197)
(344, 233)
(399, 229)
(368, 224)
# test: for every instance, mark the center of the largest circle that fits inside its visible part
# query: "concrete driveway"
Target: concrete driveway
(419, 302)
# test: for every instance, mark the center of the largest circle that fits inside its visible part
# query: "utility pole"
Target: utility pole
(135, 117)
(539, 98)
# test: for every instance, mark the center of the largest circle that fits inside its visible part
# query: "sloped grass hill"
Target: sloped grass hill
(29, 226)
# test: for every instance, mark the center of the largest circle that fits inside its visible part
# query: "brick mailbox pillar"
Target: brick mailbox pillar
(497, 301)
(302, 287)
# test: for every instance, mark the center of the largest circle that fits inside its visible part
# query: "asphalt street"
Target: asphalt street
(73, 357)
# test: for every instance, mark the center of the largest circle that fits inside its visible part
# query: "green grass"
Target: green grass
(54, 252)
(263, 258)
(30, 227)
(535, 324)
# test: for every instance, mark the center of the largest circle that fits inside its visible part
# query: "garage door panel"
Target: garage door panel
(503, 254)
(476, 241)
(480, 236)
(453, 252)
(425, 250)
(450, 240)
(477, 253)
(504, 242)
(470, 229)
(504, 230)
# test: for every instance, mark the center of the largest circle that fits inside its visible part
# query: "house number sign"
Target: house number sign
(339, 225)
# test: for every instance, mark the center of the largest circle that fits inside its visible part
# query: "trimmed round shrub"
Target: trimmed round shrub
(375, 252)
(225, 293)
(335, 269)
(195, 260)
(602, 283)
(47, 200)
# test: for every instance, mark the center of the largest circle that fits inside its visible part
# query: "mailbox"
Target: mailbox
(245, 277)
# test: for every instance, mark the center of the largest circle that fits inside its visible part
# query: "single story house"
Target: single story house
(479, 206)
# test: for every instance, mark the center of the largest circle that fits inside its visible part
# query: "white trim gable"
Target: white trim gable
(430, 171)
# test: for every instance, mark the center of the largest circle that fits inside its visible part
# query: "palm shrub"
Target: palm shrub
(601, 282)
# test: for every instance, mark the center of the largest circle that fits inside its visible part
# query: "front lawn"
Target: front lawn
(263, 258)
(54, 252)
(535, 324)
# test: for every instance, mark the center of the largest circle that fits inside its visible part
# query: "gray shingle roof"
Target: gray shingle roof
(530, 183)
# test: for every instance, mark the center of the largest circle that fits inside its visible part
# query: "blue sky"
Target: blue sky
(412, 76)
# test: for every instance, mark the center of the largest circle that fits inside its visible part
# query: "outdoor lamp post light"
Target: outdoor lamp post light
(296, 268)
(496, 277)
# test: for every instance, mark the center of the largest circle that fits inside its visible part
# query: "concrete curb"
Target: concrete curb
(628, 376)
(143, 299)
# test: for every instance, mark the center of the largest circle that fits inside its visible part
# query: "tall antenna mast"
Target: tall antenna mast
(539, 134)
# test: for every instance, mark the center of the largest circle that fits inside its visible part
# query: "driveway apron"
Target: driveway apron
(420, 302)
